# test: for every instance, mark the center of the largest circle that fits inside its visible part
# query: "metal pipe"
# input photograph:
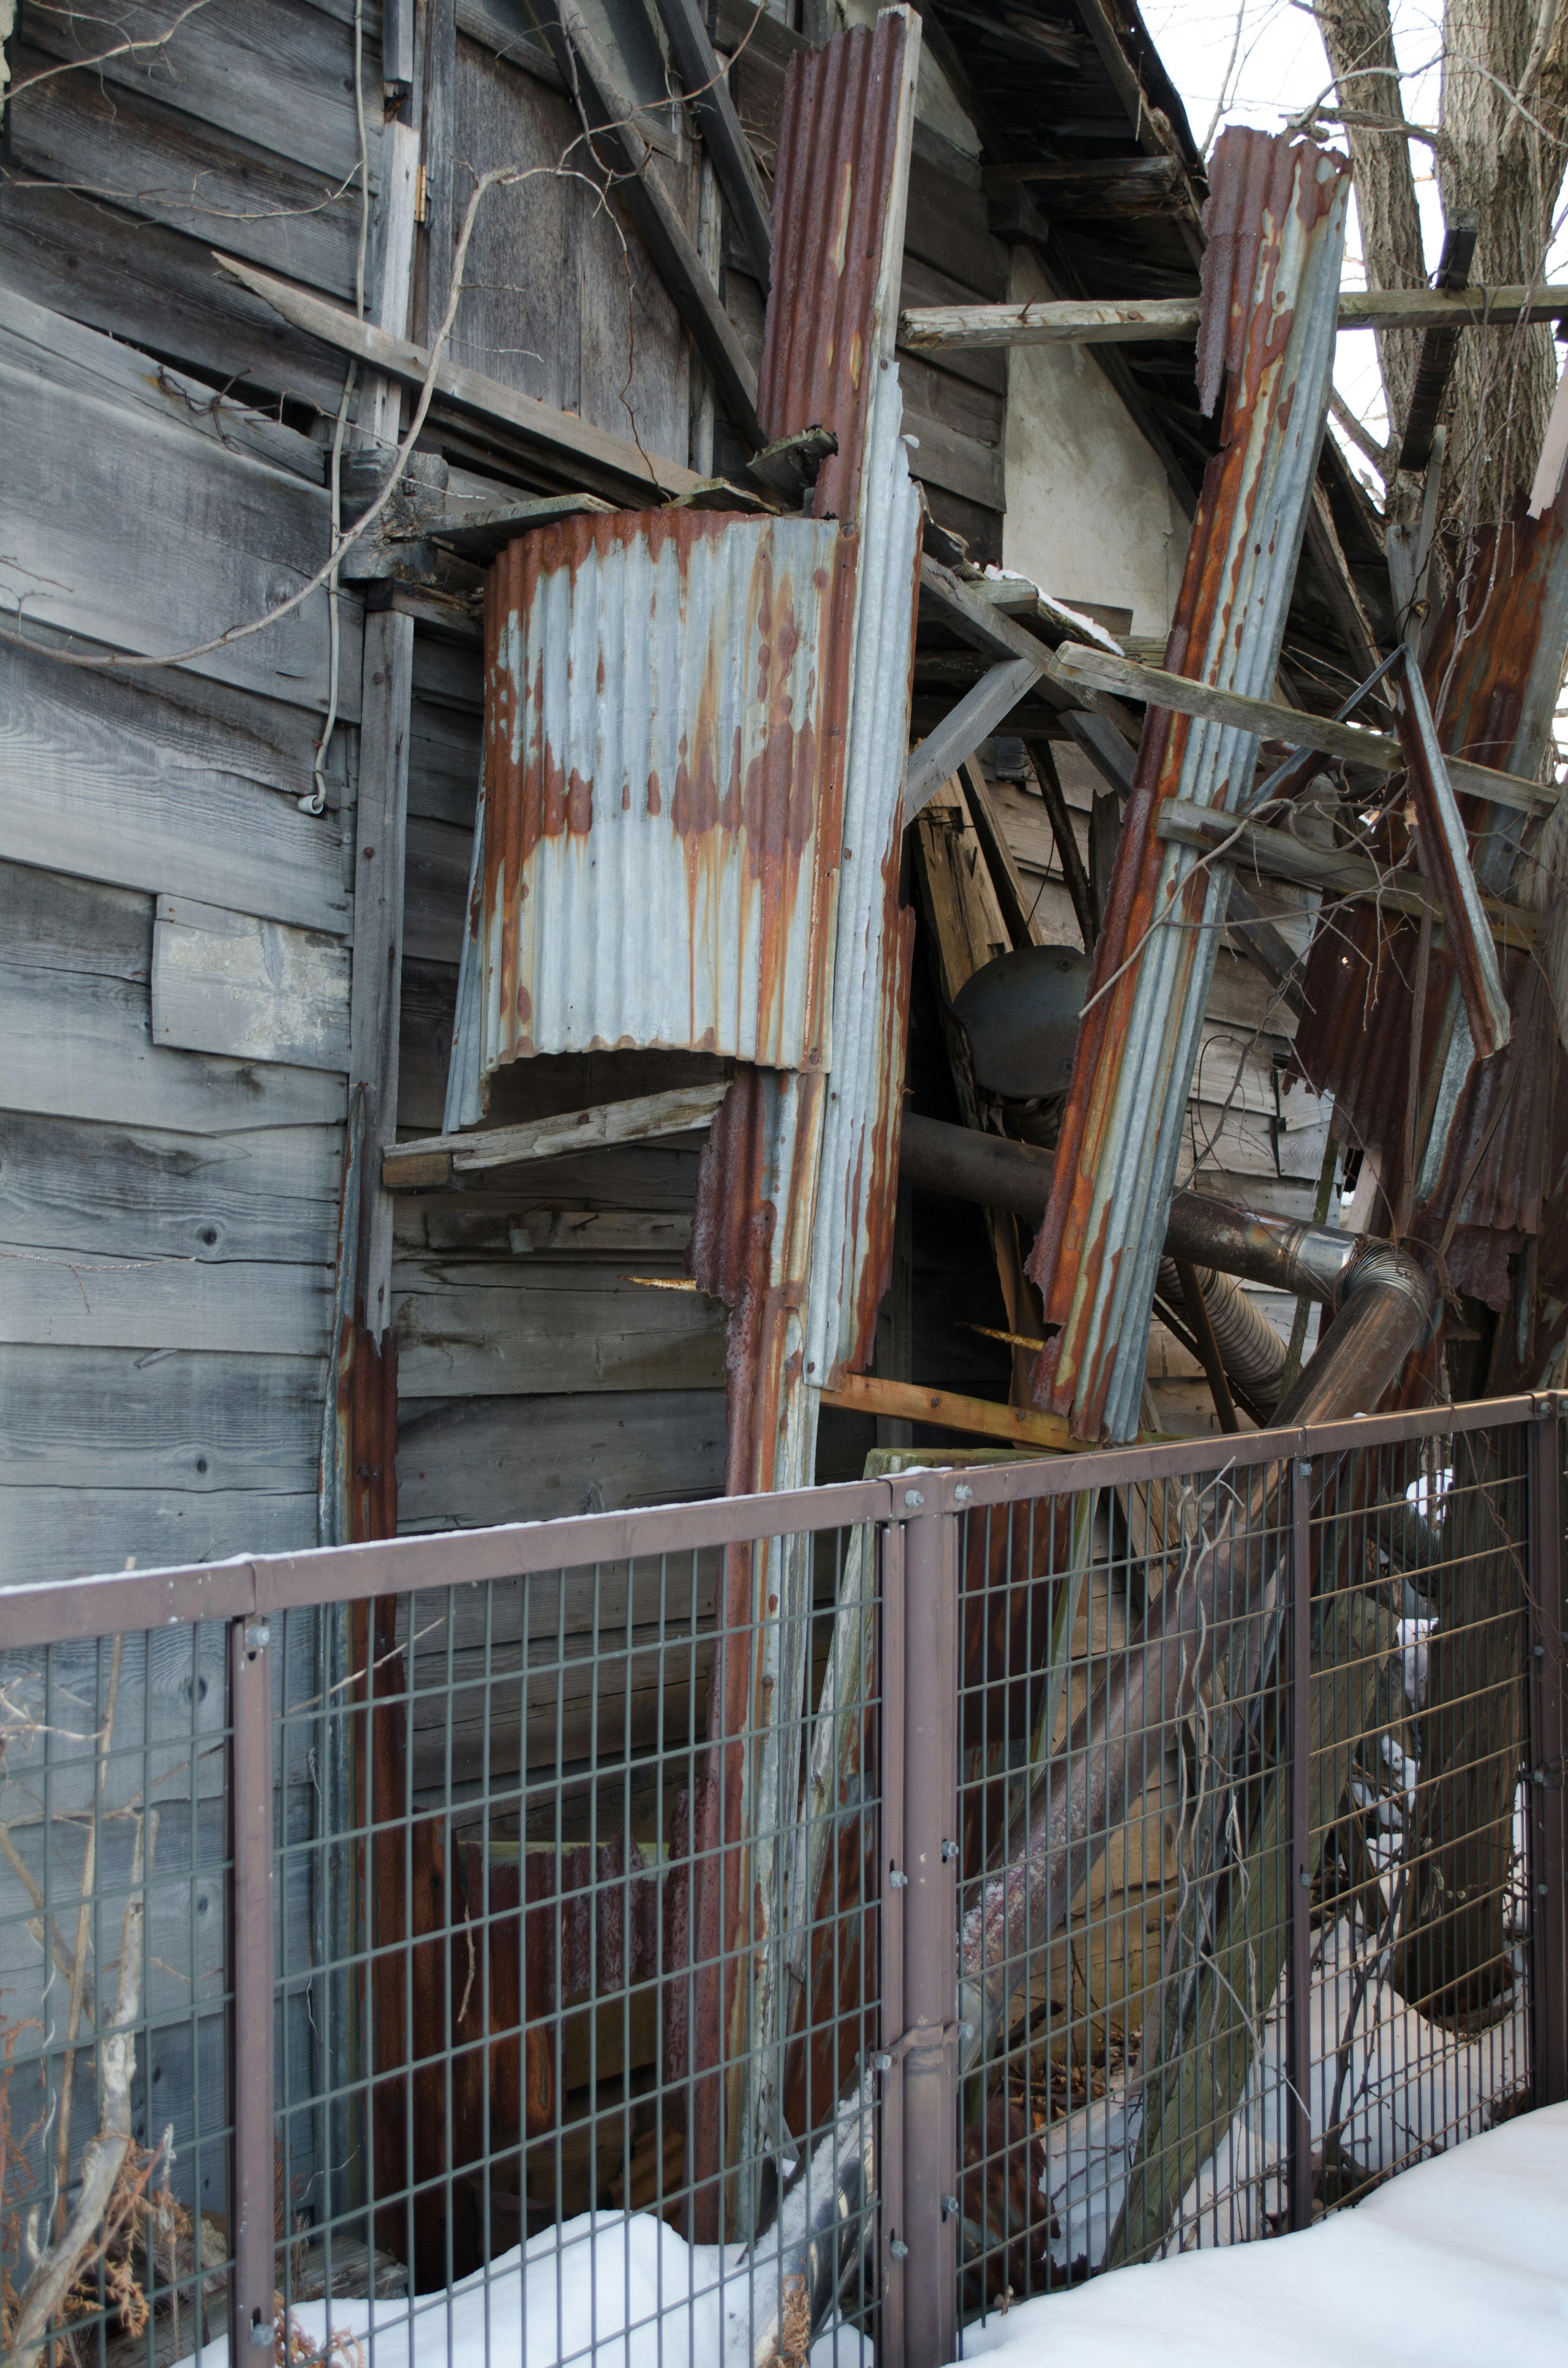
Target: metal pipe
(1081, 1797)
(1308, 1262)
(1250, 1349)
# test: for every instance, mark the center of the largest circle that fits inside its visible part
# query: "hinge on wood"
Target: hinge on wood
(420, 193)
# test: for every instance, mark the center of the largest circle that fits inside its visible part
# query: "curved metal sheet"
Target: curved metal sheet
(662, 804)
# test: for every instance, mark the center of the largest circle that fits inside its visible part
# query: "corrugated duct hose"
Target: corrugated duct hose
(1250, 1349)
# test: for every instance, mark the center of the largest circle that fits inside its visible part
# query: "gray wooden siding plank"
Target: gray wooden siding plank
(70, 1533)
(133, 1192)
(531, 1459)
(209, 1420)
(74, 1300)
(204, 539)
(78, 1047)
(171, 168)
(477, 1331)
(277, 71)
(436, 894)
(227, 982)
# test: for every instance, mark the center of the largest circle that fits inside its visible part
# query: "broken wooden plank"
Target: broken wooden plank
(962, 730)
(1378, 752)
(416, 1167)
(954, 327)
(909, 1402)
(227, 982)
(608, 464)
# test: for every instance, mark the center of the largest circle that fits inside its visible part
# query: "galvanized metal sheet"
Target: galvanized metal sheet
(661, 793)
(1276, 220)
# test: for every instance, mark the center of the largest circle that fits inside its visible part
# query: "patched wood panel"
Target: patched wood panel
(226, 981)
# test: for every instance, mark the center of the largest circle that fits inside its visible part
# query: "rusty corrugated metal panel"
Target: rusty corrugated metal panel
(1491, 671)
(1276, 221)
(838, 206)
(660, 800)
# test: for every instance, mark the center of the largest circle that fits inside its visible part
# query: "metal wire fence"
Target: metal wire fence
(810, 1922)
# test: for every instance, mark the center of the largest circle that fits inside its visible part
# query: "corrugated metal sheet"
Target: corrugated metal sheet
(839, 187)
(661, 795)
(1276, 225)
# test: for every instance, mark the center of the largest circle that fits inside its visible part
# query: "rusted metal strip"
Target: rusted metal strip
(1445, 857)
(1276, 225)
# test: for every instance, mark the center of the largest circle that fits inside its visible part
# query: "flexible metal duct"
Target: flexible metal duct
(1250, 1349)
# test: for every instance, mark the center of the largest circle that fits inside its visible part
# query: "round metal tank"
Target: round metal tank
(1020, 1014)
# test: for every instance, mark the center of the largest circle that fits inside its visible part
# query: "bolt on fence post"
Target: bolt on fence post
(250, 1986)
(1548, 1635)
(1298, 1866)
(929, 2044)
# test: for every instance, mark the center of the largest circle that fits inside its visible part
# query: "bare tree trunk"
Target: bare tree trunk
(1360, 40)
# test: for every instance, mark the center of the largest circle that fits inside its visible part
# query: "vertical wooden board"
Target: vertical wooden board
(227, 982)
(434, 912)
(202, 539)
(426, 1013)
(377, 985)
(208, 1421)
(588, 326)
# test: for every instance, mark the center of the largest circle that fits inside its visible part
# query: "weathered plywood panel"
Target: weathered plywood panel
(534, 1459)
(49, 1532)
(469, 1329)
(226, 981)
(133, 1192)
(70, 1299)
(212, 1421)
(204, 538)
(108, 780)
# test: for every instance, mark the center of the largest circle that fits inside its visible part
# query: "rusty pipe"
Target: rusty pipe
(1221, 1603)
(1308, 1262)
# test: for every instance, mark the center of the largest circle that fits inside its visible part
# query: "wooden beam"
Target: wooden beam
(1101, 188)
(434, 1160)
(908, 1402)
(1379, 752)
(570, 447)
(375, 980)
(962, 729)
(1280, 856)
(618, 144)
(1434, 362)
(731, 151)
(1006, 879)
(952, 328)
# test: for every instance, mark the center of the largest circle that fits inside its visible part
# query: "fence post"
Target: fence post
(251, 1947)
(928, 2048)
(1299, 1869)
(1548, 1631)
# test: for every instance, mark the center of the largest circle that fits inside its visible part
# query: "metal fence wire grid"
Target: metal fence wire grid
(779, 1929)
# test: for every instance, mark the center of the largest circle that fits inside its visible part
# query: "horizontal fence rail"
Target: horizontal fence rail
(780, 1928)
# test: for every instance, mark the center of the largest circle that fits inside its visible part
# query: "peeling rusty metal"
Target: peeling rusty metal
(662, 796)
(1276, 221)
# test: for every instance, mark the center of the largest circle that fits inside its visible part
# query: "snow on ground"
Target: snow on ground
(1408, 2089)
(1461, 2262)
(618, 2289)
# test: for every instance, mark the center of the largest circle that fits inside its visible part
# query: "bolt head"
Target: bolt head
(913, 1498)
(963, 1494)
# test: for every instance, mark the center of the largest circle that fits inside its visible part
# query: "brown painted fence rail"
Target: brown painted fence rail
(1165, 1845)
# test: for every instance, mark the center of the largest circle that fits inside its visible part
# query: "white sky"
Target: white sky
(1264, 66)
